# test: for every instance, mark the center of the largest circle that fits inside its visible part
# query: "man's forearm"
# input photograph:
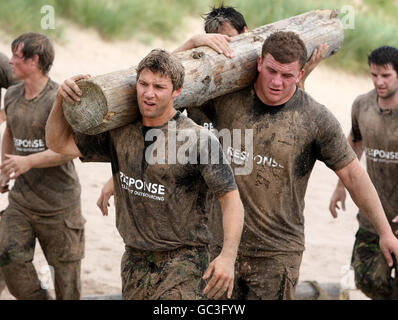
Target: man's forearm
(7, 145)
(358, 148)
(47, 159)
(233, 216)
(189, 44)
(365, 196)
(58, 130)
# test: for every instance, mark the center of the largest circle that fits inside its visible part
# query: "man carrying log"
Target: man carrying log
(220, 25)
(159, 201)
(44, 202)
(291, 131)
(374, 131)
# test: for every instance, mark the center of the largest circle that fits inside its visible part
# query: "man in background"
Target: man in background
(374, 132)
(44, 202)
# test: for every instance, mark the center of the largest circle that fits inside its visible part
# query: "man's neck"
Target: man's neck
(156, 122)
(388, 103)
(35, 84)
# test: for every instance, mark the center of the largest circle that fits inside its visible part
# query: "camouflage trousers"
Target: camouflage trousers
(164, 275)
(265, 278)
(372, 274)
(61, 237)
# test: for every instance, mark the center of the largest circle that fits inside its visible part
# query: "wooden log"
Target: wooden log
(305, 290)
(312, 290)
(109, 100)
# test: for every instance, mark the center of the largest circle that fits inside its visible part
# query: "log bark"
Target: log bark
(306, 290)
(312, 290)
(109, 100)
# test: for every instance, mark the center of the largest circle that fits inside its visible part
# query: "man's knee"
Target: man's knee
(67, 280)
(23, 283)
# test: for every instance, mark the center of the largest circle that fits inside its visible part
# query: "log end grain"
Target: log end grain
(91, 111)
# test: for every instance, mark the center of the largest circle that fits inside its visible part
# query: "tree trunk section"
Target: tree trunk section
(110, 100)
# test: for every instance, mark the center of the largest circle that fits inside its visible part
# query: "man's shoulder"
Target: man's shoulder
(15, 90)
(53, 84)
(52, 87)
(366, 98)
(236, 96)
(305, 101)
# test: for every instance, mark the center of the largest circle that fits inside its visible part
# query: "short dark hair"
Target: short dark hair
(383, 56)
(218, 16)
(161, 61)
(36, 43)
(285, 47)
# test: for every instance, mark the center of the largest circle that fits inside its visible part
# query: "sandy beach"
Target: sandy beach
(328, 241)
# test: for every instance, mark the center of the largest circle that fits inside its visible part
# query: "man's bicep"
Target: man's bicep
(93, 148)
(355, 129)
(232, 195)
(71, 149)
(349, 172)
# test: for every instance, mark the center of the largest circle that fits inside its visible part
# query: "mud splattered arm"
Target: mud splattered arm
(221, 269)
(59, 135)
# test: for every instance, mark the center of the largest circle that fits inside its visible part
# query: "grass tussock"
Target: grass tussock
(113, 19)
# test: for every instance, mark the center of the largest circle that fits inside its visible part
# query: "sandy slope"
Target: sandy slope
(328, 241)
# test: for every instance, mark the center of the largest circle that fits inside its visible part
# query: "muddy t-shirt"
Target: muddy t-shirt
(41, 190)
(6, 79)
(274, 170)
(203, 115)
(161, 180)
(378, 130)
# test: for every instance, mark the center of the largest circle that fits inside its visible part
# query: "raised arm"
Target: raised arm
(218, 42)
(364, 194)
(59, 135)
(221, 269)
(316, 58)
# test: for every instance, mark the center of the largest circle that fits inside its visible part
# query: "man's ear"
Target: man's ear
(176, 93)
(300, 76)
(35, 60)
(245, 29)
(259, 63)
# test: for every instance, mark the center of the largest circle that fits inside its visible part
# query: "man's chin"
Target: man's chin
(149, 114)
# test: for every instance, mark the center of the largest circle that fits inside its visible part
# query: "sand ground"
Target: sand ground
(328, 241)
